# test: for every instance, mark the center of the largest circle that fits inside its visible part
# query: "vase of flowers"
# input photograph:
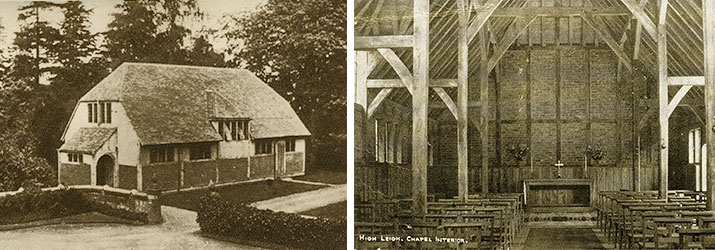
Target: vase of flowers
(596, 153)
(519, 152)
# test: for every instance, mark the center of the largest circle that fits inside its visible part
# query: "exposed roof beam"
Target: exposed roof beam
(374, 42)
(642, 17)
(398, 66)
(441, 105)
(377, 101)
(508, 40)
(560, 11)
(483, 14)
(602, 31)
(686, 81)
(397, 83)
(447, 101)
(676, 99)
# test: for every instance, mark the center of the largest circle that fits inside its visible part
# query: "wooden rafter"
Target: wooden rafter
(441, 105)
(377, 101)
(402, 71)
(642, 17)
(398, 83)
(677, 98)
(560, 11)
(508, 39)
(447, 101)
(686, 80)
(483, 14)
(374, 42)
(602, 31)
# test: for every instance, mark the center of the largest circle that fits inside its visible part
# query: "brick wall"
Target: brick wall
(231, 170)
(294, 163)
(75, 174)
(127, 177)
(166, 176)
(262, 166)
(557, 101)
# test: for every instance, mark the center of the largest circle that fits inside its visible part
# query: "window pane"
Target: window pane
(109, 112)
(691, 147)
(697, 145)
(94, 112)
(89, 113)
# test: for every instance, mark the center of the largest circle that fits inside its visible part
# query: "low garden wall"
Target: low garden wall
(249, 224)
(25, 206)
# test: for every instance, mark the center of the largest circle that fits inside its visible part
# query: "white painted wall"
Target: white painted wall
(126, 139)
(299, 145)
(235, 149)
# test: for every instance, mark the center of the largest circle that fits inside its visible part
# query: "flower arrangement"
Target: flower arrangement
(518, 151)
(596, 152)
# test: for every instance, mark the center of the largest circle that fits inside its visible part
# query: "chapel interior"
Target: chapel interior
(534, 124)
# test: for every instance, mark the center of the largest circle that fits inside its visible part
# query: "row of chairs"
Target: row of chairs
(643, 220)
(482, 222)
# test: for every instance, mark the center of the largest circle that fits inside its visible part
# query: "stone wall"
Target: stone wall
(125, 204)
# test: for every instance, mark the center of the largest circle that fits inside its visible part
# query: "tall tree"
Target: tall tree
(32, 43)
(153, 31)
(299, 48)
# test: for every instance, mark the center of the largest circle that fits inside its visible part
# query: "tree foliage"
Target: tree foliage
(296, 46)
(32, 43)
(153, 31)
(299, 48)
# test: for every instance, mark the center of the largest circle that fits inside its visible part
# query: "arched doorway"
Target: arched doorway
(105, 171)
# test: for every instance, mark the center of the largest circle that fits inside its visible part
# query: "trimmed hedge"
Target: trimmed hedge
(219, 217)
(31, 206)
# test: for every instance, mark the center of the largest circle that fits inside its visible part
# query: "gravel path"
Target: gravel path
(296, 203)
(179, 231)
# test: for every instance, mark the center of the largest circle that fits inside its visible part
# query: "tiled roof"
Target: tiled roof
(87, 140)
(174, 104)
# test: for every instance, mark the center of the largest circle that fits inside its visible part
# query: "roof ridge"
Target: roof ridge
(165, 65)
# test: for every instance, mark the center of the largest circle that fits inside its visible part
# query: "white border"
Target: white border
(351, 121)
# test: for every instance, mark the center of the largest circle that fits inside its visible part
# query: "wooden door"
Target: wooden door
(280, 159)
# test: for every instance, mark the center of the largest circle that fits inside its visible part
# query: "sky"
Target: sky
(102, 10)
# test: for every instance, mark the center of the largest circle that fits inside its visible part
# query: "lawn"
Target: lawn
(324, 176)
(239, 193)
(335, 210)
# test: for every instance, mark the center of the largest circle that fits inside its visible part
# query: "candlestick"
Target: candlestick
(585, 166)
(531, 160)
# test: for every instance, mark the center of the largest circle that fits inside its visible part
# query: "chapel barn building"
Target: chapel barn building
(582, 108)
(169, 127)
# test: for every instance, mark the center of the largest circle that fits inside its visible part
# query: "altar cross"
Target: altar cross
(558, 168)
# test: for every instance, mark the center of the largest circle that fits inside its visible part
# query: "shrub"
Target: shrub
(37, 205)
(217, 216)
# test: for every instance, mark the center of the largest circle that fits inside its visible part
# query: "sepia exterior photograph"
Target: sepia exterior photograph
(534, 124)
(173, 124)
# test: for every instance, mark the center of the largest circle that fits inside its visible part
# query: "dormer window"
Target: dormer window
(233, 130)
(99, 112)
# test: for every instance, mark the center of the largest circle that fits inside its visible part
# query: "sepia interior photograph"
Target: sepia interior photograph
(534, 124)
(173, 124)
